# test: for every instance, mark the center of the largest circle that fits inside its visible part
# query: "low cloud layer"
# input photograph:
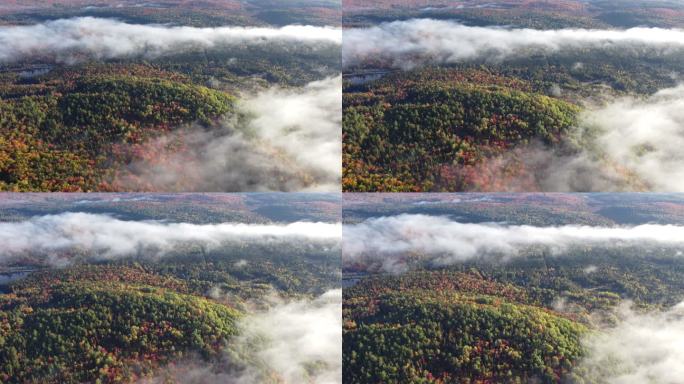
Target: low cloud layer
(305, 123)
(300, 335)
(386, 242)
(405, 44)
(291, 141)
(292, 342)
(645, 136)
(642, 348)
(627, 144)
(68, 39)
(106, 237)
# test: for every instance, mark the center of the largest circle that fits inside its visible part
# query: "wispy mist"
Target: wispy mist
(630, 143)
(293, 342)
(290, 141)
(386, 242)
(299, 336)
(106, 237)
(69, 39)
(306, 124)
(642, 348)
(405, 44)
(645, 136)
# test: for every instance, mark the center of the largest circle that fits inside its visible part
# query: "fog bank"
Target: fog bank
(406, 44)
(642, 348)
(386, 242)
(295, 341)
(290, 141)
(69, 39)
(106, 237)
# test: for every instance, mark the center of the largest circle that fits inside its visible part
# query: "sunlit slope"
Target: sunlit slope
(107, 332)
(449, 332)
(70, 130)
(418, 137)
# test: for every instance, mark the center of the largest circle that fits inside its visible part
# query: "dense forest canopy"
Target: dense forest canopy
(551, 14)
(172, 97)
(583, 65)
(92, 310)
(425, 309)
(182, 12)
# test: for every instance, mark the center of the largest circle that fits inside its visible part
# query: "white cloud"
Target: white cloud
(408, 43)
(301, 333)
(645, 136)
(297, 341)
(106, 237)
(642, 348)
(628, 144)
(292, 142)
(385, 242)
(67, 39)
(306, 124)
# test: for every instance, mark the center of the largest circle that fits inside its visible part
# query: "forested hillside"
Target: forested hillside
(407, 135)
(161, 96)
(87, 331)
(428, 331)
(57, 133)
(511, 288)
(478, 76)
(203, 13)
(73, 310)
